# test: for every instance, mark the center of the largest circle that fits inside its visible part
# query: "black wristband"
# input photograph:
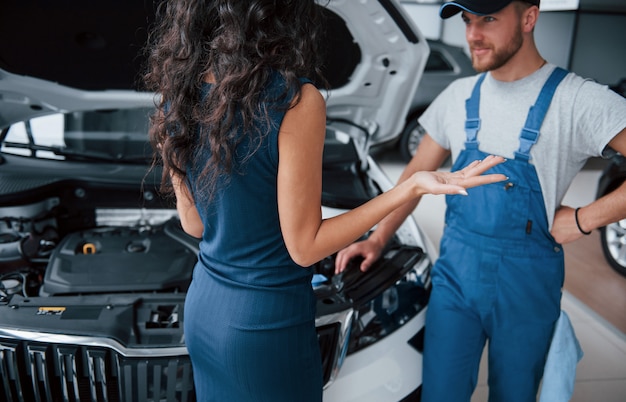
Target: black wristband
(578, 224)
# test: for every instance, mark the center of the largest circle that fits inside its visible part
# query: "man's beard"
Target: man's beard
(499, 56)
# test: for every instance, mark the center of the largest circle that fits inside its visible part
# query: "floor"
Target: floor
(594, 295)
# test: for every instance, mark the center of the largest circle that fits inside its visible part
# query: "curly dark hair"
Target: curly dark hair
(237, 43)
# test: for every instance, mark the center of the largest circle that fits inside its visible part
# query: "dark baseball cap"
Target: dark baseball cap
(479, 7)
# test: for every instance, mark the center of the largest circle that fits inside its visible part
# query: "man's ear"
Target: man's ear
(529, 18)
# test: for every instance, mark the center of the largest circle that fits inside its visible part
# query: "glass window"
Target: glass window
(437, 62)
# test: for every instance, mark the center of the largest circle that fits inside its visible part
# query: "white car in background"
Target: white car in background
(94, 265)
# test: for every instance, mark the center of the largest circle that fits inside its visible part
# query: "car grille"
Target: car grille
(92, 369)
(34, 371)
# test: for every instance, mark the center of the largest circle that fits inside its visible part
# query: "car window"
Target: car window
(437, 62)
(45, 131)
(118, 135)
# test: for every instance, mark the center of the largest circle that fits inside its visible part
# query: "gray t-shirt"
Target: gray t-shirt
(583, 117)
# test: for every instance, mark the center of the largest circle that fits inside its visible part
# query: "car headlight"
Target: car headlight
(394, 290)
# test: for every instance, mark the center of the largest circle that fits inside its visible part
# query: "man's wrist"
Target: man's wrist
(378, 240)
(586, 233)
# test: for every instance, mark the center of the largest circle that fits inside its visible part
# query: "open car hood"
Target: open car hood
(76, 55)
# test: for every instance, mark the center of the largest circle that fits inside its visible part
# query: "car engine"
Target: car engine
(126, 251)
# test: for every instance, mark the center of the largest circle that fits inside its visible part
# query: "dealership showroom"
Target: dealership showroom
(97, 301)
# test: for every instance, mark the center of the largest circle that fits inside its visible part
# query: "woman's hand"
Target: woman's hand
(457, 182)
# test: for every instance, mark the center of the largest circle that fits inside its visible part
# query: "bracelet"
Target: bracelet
(578, 224)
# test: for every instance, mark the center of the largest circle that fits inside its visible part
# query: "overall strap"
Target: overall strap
(472, 120)
(530, 133)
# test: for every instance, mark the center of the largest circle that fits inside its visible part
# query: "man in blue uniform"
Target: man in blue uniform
(500, 271)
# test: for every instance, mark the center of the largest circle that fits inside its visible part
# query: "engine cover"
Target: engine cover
(118, 260)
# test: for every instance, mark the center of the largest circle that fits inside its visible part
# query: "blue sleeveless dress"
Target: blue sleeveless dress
(249, 316)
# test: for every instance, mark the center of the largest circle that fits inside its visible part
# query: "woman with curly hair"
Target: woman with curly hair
(240, 133)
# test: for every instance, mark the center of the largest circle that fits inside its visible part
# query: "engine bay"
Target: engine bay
(83, 259)
(130, 250)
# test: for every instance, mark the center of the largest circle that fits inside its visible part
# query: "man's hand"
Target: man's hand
(368, 249)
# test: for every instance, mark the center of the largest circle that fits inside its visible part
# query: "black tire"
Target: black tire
(613, 239)
(410, 139)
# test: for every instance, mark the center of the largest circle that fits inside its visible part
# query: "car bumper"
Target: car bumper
(387, 371)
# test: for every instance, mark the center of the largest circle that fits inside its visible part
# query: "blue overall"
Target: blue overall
(498, 277)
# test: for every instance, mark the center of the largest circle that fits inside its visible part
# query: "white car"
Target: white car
(94, 265)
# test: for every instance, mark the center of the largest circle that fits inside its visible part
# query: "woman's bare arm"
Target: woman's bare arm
(308, 237)
(187, 212)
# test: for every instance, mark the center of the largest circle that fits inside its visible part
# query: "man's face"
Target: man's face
(493, 39)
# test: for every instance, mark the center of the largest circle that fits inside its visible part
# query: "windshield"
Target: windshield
(119, 135)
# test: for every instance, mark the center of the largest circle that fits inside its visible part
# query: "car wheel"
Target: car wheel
(613, 239)
(412, 135)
